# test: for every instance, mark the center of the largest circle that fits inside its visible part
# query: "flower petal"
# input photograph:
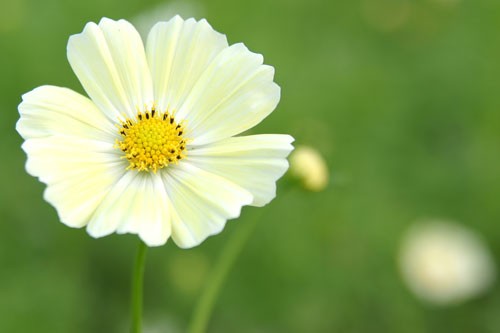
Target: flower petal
(110, 62)
(156, 229)
(115, 207)
(78, 174)
(203, 203)
(178, 52)
(49, 110)
(233, 94)
(136, 204)
(253, 162)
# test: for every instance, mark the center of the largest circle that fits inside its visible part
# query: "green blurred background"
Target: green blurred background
(401, 97)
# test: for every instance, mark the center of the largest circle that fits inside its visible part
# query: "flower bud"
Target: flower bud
(309, 167)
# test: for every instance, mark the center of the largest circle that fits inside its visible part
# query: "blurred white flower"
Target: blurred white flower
(160, 323)
(445, 263)
(309, 167)
(155, 151)
(386, 15)
(447, 3)
(188, 271)
(13, 15)
(164, 11)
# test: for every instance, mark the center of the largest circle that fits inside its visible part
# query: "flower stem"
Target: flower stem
(204, 307)
(137, 283)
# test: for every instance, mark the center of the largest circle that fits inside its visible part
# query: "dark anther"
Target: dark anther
(164, 116)
(180, 132)
(171, 120)
(153, 112)
(147, 115)
(125, 126)
(122, 132)
(178, 126)
(178, 157)
(172, 151)
(140, 116)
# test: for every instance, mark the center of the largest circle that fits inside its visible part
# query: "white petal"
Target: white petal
(78, 174)
(116, 206)
(253, 162)
(136, 204)
(234, 94)
(110, 62)
(202, 202)
(49, 110)
(157, 229)
(178, 53)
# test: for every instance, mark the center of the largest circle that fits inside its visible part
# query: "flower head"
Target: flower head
(153, 151)
(444, 263)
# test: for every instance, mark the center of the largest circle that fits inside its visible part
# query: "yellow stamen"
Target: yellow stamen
(152, 141)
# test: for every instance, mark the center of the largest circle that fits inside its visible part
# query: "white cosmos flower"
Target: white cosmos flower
(445, 263)
(153, 151)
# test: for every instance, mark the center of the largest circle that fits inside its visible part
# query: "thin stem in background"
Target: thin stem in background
(137, 286)
(204, 307)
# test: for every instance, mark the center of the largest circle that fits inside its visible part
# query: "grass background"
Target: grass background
(402, 98)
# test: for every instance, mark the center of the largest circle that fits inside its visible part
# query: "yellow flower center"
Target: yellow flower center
(152, 141)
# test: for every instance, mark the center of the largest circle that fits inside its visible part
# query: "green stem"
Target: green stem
(137, 283)
(204, 307)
